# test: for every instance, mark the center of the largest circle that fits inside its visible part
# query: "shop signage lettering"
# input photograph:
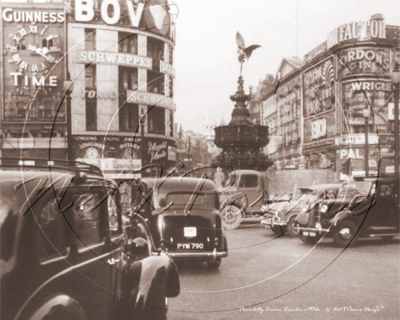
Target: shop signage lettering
(368, 61)
(153, 99)
(371, 85)
(11, 15)
(350, 153)
(93, 94)
(318, 128)
(356, 139)
(91, 144)
(129, 145)
(166, 68)
(157, 151)
(41, 82)
(319, 88)
(361, 30)
(114, 58)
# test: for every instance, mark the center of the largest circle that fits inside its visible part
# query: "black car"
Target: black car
(67, 251)
(182, 216)
(363, 208)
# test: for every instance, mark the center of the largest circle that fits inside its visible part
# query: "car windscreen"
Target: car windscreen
(308, 197)
(354, 188)
(199, 200)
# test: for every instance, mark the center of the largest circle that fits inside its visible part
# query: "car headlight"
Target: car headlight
(304, 208)
(264, 208)
(318, 225)
(161, 223)
(324, 208)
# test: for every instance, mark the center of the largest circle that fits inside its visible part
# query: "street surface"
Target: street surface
(271, 276)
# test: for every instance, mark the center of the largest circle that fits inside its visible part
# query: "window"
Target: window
(156, 120)
(128, 117)
(90, 39)
(171, 55)
(127, 78)
(51, 240)
(90, 76)
(91, 116)
(171, 87)
(127, 42)
(248, 181)
(155, 82)
(171, 123)
(155, 49)
(87, 225)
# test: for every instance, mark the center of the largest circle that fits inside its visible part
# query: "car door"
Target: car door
(250, 185)
(89, 222)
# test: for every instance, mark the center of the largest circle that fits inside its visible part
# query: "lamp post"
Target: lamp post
(366, 114)
(395, 77)
(142, 141)
(68, 87)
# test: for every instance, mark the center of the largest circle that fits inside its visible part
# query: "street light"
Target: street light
(68, 87)
(395, 77)
(366, 113)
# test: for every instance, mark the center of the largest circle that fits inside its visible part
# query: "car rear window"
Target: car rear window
(182, 199)
(248, 181)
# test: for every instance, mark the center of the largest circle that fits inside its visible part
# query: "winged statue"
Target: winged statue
(244, 52)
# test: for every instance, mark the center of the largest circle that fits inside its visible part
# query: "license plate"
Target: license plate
(190, 232)
(190, 246)
(305, 233)
(312, 234)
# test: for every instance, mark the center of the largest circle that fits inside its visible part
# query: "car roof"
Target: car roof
(320, 187)
(180, 184)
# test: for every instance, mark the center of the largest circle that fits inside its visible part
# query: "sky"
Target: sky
(206, 63)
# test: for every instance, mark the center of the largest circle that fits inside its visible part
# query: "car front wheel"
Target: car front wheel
(278, 230)
(291, 230)
(309, 240)
(345, 233)
(231, 217)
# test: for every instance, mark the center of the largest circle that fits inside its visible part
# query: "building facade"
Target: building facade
(319, 122)
(33, 114)
(120, 59)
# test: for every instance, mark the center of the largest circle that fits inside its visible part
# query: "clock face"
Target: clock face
(34, 48)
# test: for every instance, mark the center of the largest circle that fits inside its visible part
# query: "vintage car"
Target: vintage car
(363, 208)
(280, 215)
(182, 216)
(66, 255)
(242, 197)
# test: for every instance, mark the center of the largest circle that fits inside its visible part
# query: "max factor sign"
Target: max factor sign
(360, 30)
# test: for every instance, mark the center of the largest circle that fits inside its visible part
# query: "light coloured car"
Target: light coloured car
(281, 215)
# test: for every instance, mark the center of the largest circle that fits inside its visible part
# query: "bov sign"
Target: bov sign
(84, 11)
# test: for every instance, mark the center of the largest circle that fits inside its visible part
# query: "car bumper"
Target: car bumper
(271, 223)
(209, 256)
(311, 232)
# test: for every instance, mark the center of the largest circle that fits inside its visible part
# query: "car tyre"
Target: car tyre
(291, 230)
(345, 233)
(278, 230)
(214, 265)
(231, 217)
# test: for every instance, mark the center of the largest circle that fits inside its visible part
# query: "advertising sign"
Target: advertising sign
(359, 30)
(357, 94)
(319, 88)
(152, 99)
(374, 61)
(114, 58)
(323, 127)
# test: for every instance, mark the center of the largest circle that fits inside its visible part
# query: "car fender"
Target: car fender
(341, 216)
(144, 287)
(58, 307)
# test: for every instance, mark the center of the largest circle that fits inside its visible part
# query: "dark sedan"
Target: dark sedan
(182, 216)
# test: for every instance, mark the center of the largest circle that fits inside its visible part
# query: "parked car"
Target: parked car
(364, 208)
(182, 216)
(280, 215)
(66, 250)
(242, 197)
